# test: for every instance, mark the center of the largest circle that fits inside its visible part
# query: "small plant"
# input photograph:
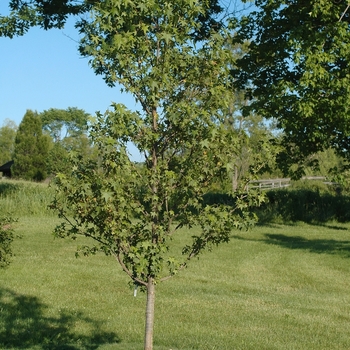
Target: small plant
(7, 236)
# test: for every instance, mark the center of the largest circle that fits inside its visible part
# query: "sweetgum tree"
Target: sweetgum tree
(172, 57)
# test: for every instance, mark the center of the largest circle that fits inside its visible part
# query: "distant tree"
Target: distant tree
(7, 140)
(31, 149)
(68, 130)
(256, 151)
(62, 123)
(57, 158)
(323, 162)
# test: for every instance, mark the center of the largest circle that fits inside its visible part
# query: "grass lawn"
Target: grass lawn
(275, 287)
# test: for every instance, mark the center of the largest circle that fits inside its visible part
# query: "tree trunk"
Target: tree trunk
(235, 178)
(149, 314)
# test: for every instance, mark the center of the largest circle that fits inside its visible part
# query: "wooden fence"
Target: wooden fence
(268, 184)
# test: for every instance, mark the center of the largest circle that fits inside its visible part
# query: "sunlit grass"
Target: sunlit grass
(278, 287)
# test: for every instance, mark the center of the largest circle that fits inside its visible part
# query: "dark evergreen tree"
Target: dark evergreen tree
(31, 149)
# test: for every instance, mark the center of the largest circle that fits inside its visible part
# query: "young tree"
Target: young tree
(297, 71)
(171, 56)
(31, 149)
(7, 140)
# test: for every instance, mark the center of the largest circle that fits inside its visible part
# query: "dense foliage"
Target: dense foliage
(307, 201)
(297, 71)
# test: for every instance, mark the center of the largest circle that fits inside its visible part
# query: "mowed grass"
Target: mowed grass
(275, 287)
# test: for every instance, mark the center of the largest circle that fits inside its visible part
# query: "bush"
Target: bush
(6, 239)
(306, 201)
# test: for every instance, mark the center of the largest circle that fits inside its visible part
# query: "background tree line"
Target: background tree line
(42, 143)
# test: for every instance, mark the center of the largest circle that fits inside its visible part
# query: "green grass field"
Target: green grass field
(275, 287)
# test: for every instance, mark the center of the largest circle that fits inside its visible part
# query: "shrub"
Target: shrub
(305, 201)
(6, 238)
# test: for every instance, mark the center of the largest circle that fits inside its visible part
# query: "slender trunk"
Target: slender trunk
(149, 314)
(235, 179)
(150, 283)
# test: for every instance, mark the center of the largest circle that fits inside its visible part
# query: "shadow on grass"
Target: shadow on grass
(332, 227)
(329, 246)
(23, 325)
(325, 225)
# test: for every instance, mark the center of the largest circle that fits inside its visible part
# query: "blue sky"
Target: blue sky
(43, 70)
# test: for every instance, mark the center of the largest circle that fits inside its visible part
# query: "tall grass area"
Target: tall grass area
(20, 198)
(275, 287)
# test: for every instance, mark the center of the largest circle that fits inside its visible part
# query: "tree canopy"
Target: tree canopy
(47, 14)
(62, 123)
(297, 71)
